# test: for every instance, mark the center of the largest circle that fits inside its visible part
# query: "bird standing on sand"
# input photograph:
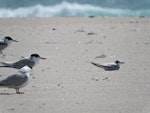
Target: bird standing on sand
(30, 61)
(5, 43)
(109, 66)
(17, 80)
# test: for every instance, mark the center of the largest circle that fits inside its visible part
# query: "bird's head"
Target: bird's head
(118, 62)
(9, 40)
(36, 57)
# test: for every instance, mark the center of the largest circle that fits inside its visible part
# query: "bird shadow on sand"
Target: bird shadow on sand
(7, 93)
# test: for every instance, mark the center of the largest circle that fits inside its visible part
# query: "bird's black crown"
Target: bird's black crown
(35, 55)
(8, 38)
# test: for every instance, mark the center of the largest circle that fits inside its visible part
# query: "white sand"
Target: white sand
(66, 82)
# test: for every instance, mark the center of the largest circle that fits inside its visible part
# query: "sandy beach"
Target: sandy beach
(67, 82)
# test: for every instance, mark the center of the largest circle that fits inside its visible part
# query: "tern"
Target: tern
(109, 66)
(17, 80)
(29, 61)
(5, 43)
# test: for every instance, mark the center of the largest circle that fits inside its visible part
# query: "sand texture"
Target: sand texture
(67, 82)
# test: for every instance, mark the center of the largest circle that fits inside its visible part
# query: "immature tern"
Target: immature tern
(109, 66)
(30, 61)
(5, 43)
(17, 80)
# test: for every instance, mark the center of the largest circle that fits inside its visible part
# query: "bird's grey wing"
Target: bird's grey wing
(23, 62)
(111, 67)
(2, 45)
(106, 67)
(14, 80)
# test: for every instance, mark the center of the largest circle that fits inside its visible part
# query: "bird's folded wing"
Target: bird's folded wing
(13, 80)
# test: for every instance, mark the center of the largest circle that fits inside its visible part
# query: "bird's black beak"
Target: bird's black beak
(14, 40)
(42, 58)
(122, 62)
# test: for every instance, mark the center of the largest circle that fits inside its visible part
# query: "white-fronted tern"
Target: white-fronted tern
(5, 43)
(17, 80)
(30, 61)
(109, 66)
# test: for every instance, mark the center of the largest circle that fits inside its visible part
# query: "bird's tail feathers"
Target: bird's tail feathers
(6, 64)
(2, 85)
(98, 65)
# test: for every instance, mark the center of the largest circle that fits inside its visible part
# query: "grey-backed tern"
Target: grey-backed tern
(17, 80)
(5, 43)
(109, 66)
(30, 61)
